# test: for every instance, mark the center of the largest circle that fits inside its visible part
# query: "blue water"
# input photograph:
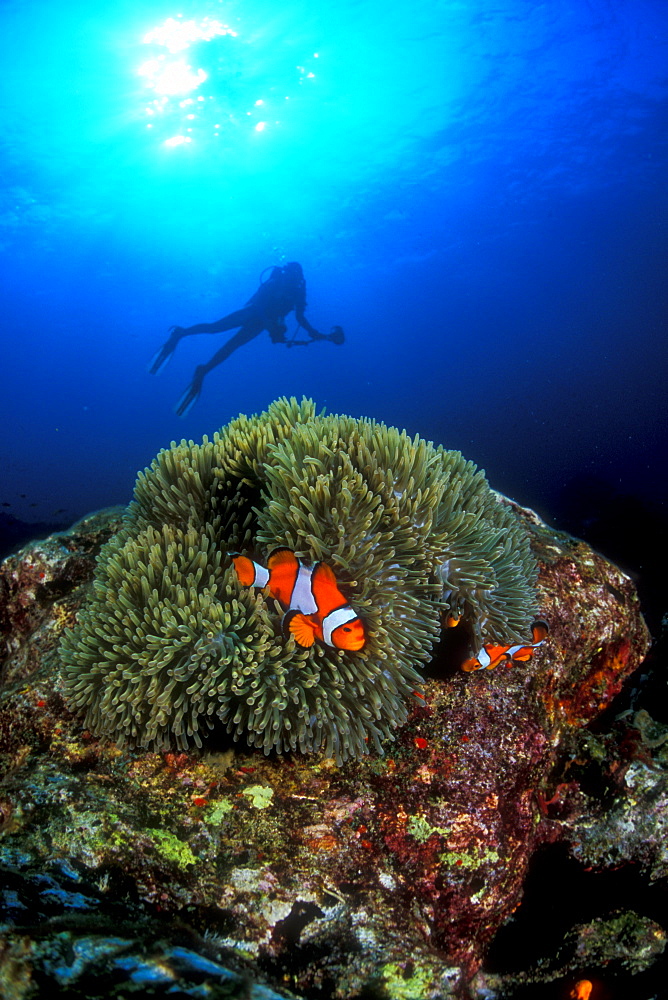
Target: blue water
(476, 190)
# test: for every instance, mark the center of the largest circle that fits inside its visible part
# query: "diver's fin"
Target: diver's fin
(187, 401)
(192, 393)
(161, 357)
(336, 335)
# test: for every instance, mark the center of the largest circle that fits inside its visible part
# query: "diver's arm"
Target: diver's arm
(303, 322)
(299, 307)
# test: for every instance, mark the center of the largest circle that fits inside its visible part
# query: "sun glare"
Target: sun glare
(201, 82)
(175, 35)
(171, 77)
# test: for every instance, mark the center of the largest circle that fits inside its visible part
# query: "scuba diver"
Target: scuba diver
(280, 293)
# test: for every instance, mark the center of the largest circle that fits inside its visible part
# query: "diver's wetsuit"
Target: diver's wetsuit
(283, 291)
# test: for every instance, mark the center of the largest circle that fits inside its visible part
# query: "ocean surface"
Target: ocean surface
(476, 190)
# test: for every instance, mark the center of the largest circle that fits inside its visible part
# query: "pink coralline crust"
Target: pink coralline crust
(426, 848)
(474, 788)
(44, 571)
(22, 583)
(596, 629)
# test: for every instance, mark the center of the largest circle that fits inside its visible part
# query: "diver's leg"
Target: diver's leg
(191, 395)
(237, 318)
(161, 358)
(243, 336)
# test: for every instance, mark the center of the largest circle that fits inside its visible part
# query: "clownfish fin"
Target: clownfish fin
(325, 590)
(283, 566)
(280, 553)
(522, 654)
(494, 655)
(497, 658)
(540, 630)
(452, 620)
(300, 627)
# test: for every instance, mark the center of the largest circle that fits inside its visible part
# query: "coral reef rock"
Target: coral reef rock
(223, 870)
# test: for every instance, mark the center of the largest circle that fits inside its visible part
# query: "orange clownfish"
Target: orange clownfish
(315, 607)
(490, 656)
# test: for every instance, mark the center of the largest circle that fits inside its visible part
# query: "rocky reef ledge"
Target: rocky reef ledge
(227, 873)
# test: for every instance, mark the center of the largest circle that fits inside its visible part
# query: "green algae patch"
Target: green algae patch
(421, 830)
(260, 796)
(171, 848)
(463, 860)
(215, 814)
(415, 987)
(418, 828)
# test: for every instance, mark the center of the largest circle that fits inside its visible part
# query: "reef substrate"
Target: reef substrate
(226, 870)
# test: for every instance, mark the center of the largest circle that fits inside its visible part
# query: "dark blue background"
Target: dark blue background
(476, 192)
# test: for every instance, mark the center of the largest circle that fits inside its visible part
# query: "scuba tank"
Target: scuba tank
(270, 268)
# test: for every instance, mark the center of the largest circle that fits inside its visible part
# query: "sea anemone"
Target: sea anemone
(170, 642)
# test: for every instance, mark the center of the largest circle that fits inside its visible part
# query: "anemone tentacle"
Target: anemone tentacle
(170, 642)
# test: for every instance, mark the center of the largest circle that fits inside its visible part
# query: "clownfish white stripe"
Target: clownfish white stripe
(261, 575)
(510, 652)
(302, 595)
(336, 618)
(483, 658)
